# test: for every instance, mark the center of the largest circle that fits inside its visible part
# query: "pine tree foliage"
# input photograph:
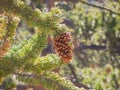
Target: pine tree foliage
(50, 80)
(34, 18)
(25, 58)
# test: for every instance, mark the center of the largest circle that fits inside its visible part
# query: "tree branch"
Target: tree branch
(91, 47)
(34, 18)
(51, 81)
(96, 47)
(103, 8)
(76, 82)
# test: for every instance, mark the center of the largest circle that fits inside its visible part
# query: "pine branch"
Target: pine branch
(8, 26)
(28, 49)
(43, 64)
(35, 18)
(12, 23)
(66, 84)
(38, 66)
(23, 54)
(51, 81)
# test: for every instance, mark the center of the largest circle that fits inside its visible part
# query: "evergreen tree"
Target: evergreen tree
(25, 60)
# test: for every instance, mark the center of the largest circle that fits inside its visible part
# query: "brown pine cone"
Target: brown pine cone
(62, 46)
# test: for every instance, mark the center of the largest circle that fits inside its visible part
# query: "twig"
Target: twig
(96, 47)
(76, 82)
(103, 8)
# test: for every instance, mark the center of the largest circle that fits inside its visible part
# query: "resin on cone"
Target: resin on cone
(63, 46)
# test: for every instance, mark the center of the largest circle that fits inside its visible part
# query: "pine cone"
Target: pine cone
(62, 46)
